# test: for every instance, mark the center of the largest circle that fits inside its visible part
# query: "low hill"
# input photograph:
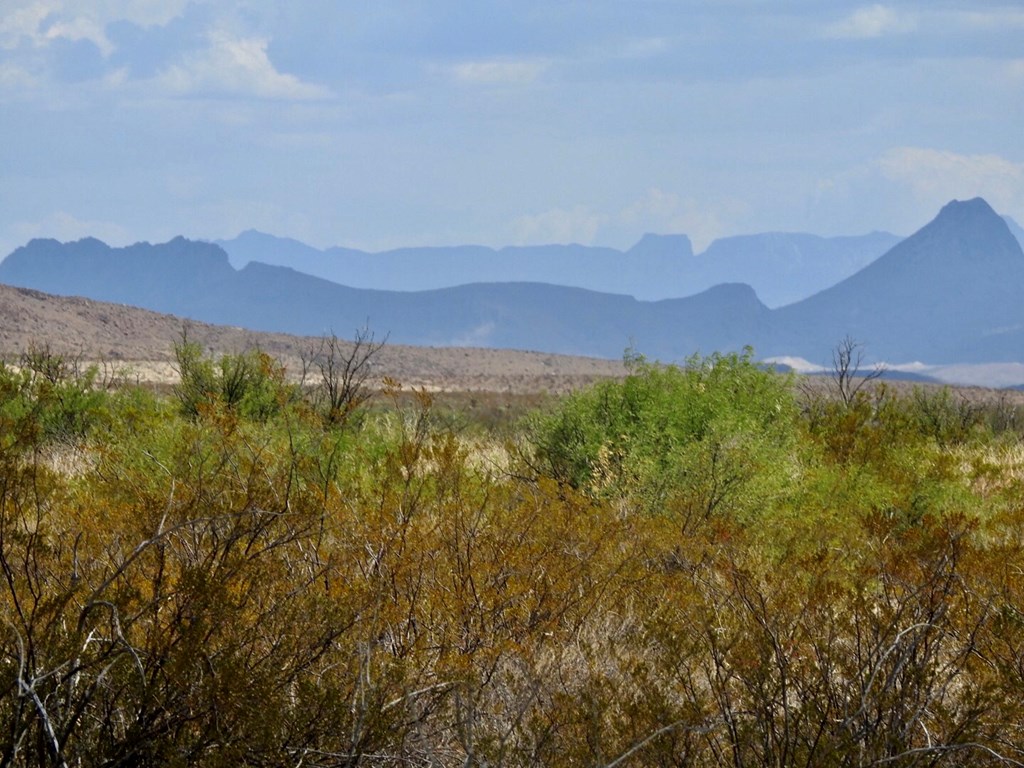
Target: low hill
(144, 342)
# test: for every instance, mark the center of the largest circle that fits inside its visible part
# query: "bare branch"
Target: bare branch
(345, 370)
(849, 380)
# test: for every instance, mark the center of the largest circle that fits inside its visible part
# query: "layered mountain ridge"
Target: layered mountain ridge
(782, 267)
(950, 293)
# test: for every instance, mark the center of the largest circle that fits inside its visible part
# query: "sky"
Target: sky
(408, 122)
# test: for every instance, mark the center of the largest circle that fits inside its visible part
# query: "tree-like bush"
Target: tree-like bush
(250, 383)
(51, 398)
(690, 438)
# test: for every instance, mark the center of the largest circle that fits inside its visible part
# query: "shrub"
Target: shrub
(946, 418)
(685, 437)
(251, 384)
(48, 398)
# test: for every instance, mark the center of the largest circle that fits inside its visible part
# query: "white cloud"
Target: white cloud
(656, 211)
(984, 20)
(13, 77)
(558, 225)
(870, 22)
(43, 21)
(499, 71)
(905, 187)
(142, 12)
(78, 20)
(80, 28)
(474, 337)
(25, 22)
(238, 65)
(935, 177)
(879, 20)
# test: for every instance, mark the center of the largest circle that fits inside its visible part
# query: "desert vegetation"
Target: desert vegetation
(700, 565)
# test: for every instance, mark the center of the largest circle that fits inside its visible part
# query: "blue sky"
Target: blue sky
(381, 124)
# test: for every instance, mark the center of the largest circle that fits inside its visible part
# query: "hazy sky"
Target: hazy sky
(378, 124)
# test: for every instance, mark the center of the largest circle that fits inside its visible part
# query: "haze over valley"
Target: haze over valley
(781, 267)
(944, 298)
(671, 178)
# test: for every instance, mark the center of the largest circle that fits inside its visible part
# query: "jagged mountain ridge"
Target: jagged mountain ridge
(781, 267)
(155, 277)
(949, 293)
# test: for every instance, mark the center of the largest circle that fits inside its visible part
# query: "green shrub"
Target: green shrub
(251, 384)
(48, 398)
(946, 418)
(687, 438)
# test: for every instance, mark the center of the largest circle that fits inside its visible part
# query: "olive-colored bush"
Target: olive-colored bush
(679, 570)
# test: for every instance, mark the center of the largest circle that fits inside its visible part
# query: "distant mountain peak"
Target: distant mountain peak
(255, 234)
(981, 234)
(740, 294)
(964, 209)
(651, 243)
(946, 293)
(966, 238)
(93, 242)
(967, 216)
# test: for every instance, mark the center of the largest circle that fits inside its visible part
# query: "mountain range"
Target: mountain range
(781, 267)
(950, 293)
